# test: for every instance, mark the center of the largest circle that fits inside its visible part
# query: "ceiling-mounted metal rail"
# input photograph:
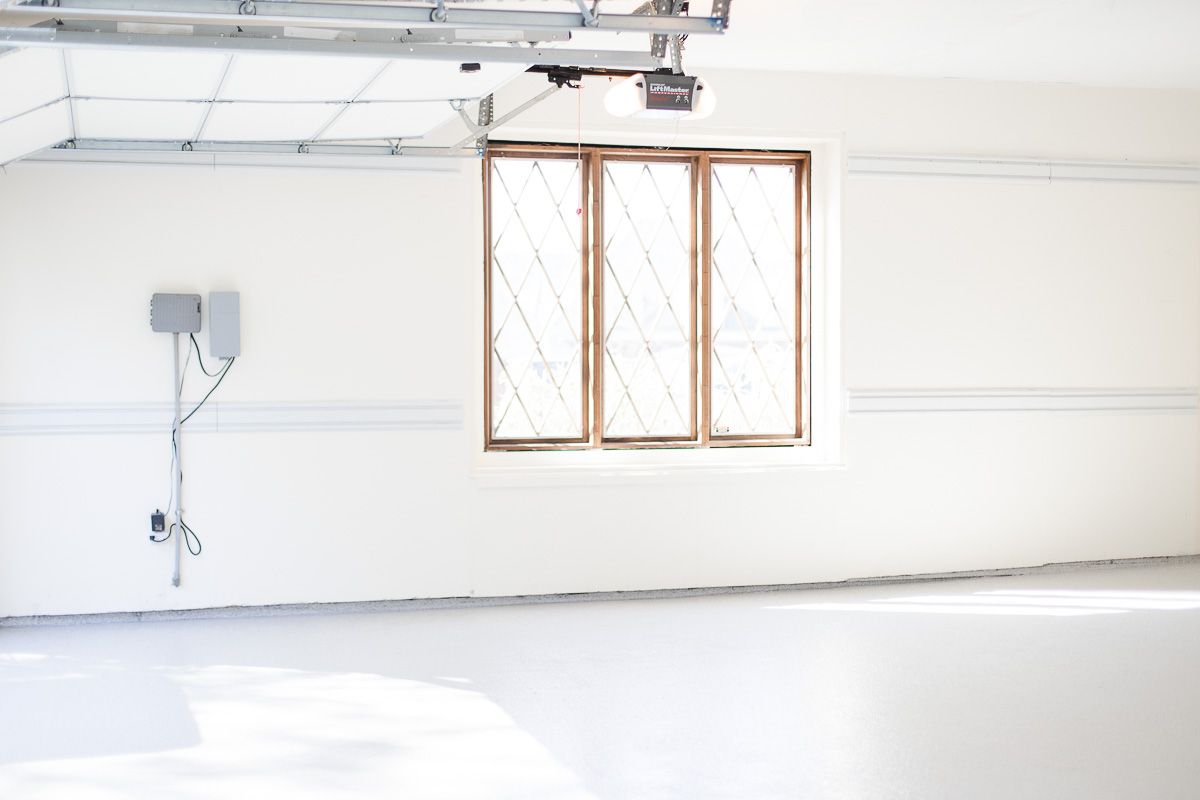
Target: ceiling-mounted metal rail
(246, 43)
(265, 148)
(389, 156)
(300, 13)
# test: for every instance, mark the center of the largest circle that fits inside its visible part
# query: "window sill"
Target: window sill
(589, 467)
(633, 444)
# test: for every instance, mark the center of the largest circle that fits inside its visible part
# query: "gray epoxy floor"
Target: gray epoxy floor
(1078, 685)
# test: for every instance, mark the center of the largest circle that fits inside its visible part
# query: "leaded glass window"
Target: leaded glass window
(643, 298)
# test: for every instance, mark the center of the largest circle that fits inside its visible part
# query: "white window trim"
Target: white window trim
(572, 467)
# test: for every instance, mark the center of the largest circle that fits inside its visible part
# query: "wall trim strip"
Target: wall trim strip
(42, 419)
(858, 165)
(869, 165)
(880, 401)
(230, 417)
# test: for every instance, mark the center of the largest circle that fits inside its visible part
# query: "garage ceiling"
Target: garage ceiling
(191, 73)
(1129, 43)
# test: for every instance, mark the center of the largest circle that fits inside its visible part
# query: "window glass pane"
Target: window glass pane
(536, 285)
(753, 287)
(648, 296)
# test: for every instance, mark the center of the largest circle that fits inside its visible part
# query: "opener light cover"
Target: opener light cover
(628, 99)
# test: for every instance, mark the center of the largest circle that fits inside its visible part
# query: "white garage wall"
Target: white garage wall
(357, 289)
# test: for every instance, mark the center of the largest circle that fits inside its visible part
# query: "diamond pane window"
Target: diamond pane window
(754, 299)
(646, 298)
(536, 306)
(649, 385)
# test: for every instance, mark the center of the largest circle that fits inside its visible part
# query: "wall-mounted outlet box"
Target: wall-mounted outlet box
(224, 324)
(175, 313)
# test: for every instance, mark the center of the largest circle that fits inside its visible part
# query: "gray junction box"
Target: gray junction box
(224, 324)
(175, 313)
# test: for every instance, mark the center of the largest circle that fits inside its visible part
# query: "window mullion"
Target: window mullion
(695, 299)
(596, 273)
(585, 301)
(802, 312)
(705, 175)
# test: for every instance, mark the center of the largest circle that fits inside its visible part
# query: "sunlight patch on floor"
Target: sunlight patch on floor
(324, 734)
(1017, 602)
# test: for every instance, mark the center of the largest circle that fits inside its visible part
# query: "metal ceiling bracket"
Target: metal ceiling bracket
(485, 111)
(720, 11)
(676, 49)
(481, 131)
(659, 41)
(588, 13)
(485, 117)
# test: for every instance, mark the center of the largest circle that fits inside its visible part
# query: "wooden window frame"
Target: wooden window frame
(592, 158)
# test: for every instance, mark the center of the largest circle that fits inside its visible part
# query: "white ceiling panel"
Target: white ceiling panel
(156, 95)
(413, 79)
(389, 120)
(1134, 43)
(30, 78)
(267, 122)
(137, 119)
(272, 77)
(145, 74)
(37, 130)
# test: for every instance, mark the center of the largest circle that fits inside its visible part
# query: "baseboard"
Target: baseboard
(420, 604)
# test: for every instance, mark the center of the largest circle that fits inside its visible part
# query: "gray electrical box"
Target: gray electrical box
(175, 313)
(224, 324)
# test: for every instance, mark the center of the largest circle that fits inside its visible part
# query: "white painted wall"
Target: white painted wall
(358, 287)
